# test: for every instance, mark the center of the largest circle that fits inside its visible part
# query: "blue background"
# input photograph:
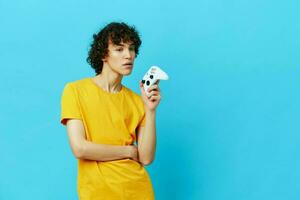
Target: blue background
(228, 124)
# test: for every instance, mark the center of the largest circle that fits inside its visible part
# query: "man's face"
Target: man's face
(120, 57)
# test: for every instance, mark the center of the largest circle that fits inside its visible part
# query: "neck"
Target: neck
(109, 80)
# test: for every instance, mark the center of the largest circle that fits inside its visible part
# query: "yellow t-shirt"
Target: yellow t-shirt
(108, 118)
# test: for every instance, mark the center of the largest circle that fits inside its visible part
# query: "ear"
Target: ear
(104, 59)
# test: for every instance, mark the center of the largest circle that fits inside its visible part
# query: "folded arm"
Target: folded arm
(83, 149)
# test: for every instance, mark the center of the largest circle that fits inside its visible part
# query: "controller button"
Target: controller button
(151, 76)
(143, 81)
(148, 82)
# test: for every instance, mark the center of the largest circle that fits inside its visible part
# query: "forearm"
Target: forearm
(102, 152)
(147, 144)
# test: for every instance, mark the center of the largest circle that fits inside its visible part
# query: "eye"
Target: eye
(132, 48)
(119, 49)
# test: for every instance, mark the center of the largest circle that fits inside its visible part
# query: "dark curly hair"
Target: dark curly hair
(116, 33)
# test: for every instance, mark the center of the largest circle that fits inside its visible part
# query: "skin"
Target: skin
(110, 80)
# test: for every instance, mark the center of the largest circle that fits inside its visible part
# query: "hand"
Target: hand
(133, 152)
(154, 98)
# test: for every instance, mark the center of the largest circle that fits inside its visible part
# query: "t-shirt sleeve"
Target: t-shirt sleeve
(69, 105)
(143, 121)
(143, 117)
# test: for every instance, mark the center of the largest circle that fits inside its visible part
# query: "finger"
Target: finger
(141, 84)
(152, 98)
(142, 89)
(154, 93)
(157, 87)
(153, 87)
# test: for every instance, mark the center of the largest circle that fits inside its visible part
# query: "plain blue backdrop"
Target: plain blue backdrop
(228, 124)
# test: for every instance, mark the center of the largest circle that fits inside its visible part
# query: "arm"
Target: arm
(147, 139)
(147, 134)
(83, 149)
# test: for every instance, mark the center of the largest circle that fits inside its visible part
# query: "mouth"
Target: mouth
(129, 64)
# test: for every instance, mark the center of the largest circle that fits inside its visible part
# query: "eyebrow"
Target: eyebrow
(122, 45)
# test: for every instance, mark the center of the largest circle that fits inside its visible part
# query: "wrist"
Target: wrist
(129, 151)
(149, 111)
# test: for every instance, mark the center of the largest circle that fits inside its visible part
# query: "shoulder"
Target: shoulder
(76, 87)
(134, 96)
(131, 93)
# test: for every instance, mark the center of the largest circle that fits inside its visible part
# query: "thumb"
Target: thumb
(142, 88)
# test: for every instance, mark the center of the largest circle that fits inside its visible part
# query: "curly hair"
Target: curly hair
(116, 33)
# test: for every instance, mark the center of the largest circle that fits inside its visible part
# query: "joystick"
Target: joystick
(152, 76)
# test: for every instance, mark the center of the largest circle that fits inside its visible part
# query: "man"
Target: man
(104, 119)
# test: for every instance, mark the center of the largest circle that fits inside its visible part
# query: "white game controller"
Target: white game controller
(153, 75)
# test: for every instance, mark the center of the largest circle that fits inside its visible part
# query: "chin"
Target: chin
(126, 73)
